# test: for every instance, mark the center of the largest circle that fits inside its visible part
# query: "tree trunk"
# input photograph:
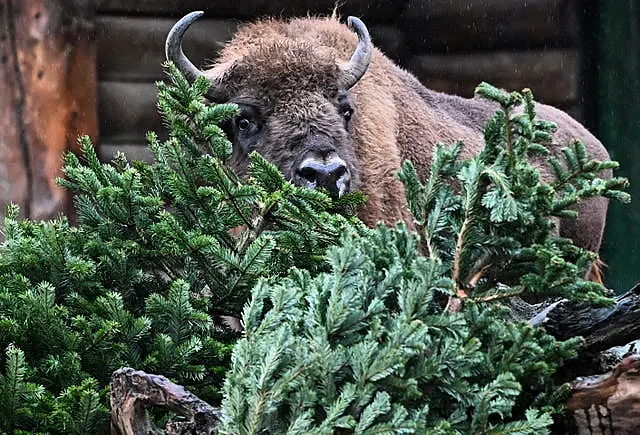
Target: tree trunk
(48, 87)
(607, 404)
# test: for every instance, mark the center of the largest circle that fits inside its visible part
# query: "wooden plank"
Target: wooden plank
(553, 75)
(127, 111)
(132, 48)
(446, 25)
(379, 11)
(48, 59)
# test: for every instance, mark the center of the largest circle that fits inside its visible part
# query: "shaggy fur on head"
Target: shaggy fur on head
(287, 73)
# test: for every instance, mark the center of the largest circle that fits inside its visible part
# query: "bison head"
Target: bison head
(293, 95)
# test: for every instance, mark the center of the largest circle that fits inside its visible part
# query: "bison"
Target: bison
(330, 110)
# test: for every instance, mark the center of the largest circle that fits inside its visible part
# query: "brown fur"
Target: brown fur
(289, 70)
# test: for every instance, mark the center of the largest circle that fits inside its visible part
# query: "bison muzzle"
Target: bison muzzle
(331, 111)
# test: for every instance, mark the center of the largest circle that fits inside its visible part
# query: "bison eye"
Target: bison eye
(347, 114)
(243, 124)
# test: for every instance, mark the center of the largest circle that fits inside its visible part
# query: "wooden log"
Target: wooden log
(132, 48)
(449, 26)
(552, 75)
(391, 40)
(380, 11)
(14, 183)
(606, 332)
(136, 147)
(605, 404)
(133, 391)
(602, 328)
(128, 111)
(48, 59)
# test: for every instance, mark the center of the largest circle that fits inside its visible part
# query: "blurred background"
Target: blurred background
(70, 67)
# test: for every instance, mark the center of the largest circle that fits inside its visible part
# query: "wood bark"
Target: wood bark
(133, 391)
(601, 328)
(131, 49)
(127, 106)
(47, 97)
(606, 404)
(552, 75)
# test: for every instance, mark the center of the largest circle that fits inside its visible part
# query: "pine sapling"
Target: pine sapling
(372, 345)
(496, 231)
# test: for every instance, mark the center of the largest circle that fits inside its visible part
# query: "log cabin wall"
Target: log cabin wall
(47, 98)
(449, 45)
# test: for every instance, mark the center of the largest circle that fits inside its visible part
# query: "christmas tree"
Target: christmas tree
(161, 253)
(393, 341)
(347, 329)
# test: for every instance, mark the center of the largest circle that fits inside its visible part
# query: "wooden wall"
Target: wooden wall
(47, 98)
(450, 45)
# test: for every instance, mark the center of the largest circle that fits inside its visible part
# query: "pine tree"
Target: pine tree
(348, 329)
(499, 229)
(393, 341)
(161, 251)
(17, 397)
(367, 348)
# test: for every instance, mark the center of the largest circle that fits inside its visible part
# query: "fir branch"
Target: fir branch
(16, 395)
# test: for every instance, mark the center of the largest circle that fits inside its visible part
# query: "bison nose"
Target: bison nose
(330, 174)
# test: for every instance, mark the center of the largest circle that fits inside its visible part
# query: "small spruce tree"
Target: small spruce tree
(346, 329)
(498, 231)
(392, 341)
(161, 251)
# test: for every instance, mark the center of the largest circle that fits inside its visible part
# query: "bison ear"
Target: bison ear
(360, 58)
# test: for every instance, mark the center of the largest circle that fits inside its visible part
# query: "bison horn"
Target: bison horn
(173, 47)
(360, 58)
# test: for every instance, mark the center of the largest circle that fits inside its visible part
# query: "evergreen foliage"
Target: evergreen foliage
(497, 234)
(367, 348)
(391, 341)
(347, 329)
(159, 253)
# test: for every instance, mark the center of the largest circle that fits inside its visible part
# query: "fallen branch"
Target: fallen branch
(602, 328)
(134, 391)
(605, 404)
